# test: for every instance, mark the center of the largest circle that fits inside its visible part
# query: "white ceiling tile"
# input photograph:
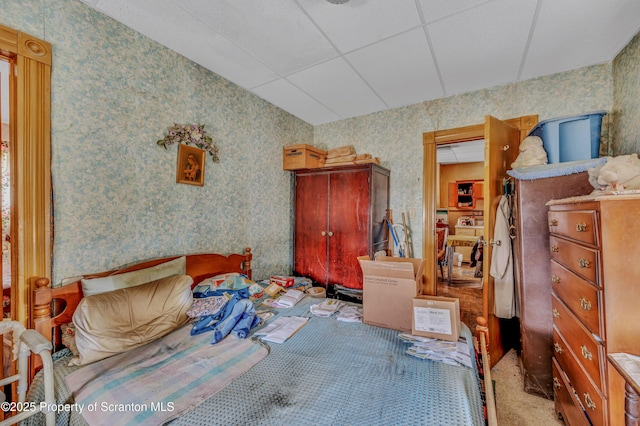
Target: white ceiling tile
(407, 75)
(358, 23)
(295, 101)
(478, 54)
(367, 55)
(277, 32)
(338, 87)
(171, 26)
(568, 36)
(437, 9)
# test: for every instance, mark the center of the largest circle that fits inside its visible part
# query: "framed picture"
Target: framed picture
(190, 168)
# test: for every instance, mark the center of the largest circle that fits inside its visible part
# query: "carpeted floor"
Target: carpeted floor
(515, 407)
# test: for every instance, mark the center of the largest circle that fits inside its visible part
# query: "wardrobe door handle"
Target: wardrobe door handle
(330, 234)
(323, 233)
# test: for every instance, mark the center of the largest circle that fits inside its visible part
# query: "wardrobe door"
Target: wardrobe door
(311, 226)
(349, 225)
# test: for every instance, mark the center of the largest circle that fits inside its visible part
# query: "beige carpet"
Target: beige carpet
(515, 407)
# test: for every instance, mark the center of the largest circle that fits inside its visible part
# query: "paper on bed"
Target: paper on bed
(289, 299)
(281, 329)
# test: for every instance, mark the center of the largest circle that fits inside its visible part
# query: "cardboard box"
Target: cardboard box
(302, 156)
(389, 286)
(437, 317)
(282, 281)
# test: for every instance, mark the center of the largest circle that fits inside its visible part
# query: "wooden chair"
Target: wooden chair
(442, 232)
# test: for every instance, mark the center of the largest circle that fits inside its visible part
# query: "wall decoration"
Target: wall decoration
(190, 169)
(191, 134)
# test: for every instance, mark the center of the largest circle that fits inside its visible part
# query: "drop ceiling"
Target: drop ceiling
(324, 62)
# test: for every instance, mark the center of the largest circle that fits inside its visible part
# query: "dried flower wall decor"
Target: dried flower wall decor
(191, 134)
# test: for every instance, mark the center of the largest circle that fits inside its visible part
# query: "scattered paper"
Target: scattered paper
(350, 314)
(454, 353)
(281, 329)
(327, 308)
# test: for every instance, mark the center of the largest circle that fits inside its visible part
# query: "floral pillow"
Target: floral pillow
(206, 306)
(68, 332)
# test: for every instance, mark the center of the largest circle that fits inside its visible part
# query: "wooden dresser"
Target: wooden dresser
(594, 244)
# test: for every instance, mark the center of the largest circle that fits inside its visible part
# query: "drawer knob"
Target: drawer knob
(585, 304)
(323, 233)
(553, 222)
(556, 383)
(584, 263)
(581, 227)
(555, 279)
(554, 249)
(555, 312)
(585, 353)
(330, 234)
(557, 347)
(588, 401)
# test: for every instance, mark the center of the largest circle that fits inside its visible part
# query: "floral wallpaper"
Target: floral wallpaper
(115, 197)
(626, 107)
(115, 93)
(396, 135)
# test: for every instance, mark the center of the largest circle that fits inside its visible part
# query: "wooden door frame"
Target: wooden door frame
(430, 141)
(30, 146)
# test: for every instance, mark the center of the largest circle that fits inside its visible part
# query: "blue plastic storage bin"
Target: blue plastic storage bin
(572, 138)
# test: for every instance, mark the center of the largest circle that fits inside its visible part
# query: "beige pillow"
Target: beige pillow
(117, 321)
(130, 279)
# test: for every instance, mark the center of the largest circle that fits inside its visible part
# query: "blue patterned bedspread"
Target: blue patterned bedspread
(339, 373)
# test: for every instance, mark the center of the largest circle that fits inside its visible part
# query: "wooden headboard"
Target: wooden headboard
(53, 307)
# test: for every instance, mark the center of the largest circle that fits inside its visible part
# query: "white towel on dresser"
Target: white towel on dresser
(502, 263)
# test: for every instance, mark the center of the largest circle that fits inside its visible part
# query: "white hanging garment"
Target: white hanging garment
(502, 263)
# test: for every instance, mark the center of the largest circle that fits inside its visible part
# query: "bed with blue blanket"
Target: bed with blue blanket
(329, 372)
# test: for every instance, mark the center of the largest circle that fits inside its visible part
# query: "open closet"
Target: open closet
(501, 142)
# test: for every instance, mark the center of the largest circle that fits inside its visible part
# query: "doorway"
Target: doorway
(502, 139)
(5, 192)
(460, 213)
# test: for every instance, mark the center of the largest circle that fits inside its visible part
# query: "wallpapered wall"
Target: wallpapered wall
(114, 93)
(396, 135)
(626, 110)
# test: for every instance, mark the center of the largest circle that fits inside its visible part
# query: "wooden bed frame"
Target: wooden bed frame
(55, 306)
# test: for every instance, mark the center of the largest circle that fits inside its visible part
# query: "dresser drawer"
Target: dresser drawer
(588, 352)
(580, 225)
(579, 259)
(588, 394)
(583, 299)
(565, 399)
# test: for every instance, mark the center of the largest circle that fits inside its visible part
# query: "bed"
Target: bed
(328, 373)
